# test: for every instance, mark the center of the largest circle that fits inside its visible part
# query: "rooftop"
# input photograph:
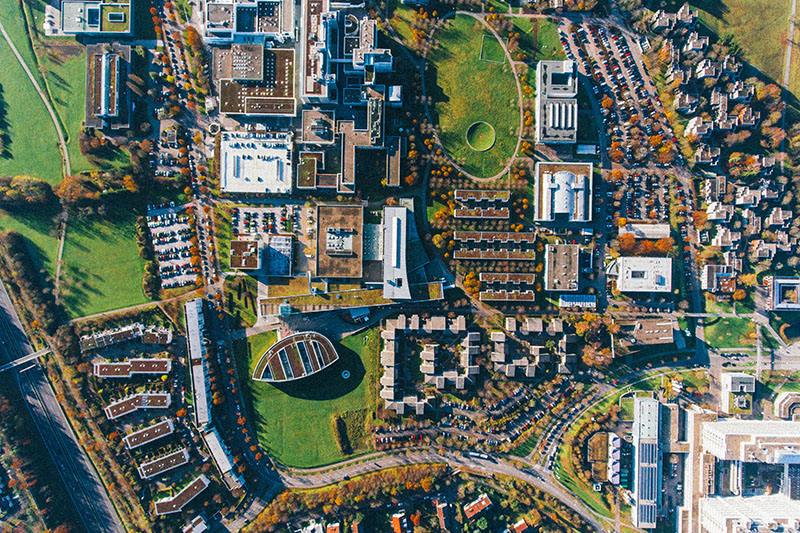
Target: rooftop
(339, 241)
(395, 236)
(245, 255)
(256, 163)
(563, 190)
(561, 267)
(644, 274)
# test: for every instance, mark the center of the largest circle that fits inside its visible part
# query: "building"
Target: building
(279, 254)
(149, 434)
(256, 163)
(165, 463)
(294, 357)
(135, 402)
(784, 293)
(647, 462)
(176, 503)
(255, 81)
(126, 369)
(249, 21)
(222, 459)
(198, 367)
(339, 241)
(245, 255)
(135, 331)
(563, 191)
(561, 267)
(395, 236)
(97, 18)
(718, 278)
(556, 105)
(642, 274)
(644, 332)
(752, 513)
(108, 98)
(474, 509)
(737, 392)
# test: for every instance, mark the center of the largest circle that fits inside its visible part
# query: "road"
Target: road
(76, 470)
(454, 460)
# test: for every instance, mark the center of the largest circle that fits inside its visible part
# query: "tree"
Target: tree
(627, 242)
(664, 245)
(700, 218)
(622, 222)
(739, 295)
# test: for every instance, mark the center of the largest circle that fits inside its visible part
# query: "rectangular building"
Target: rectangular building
(149, 434)
(561, 267)
(647, 462)
(196, 349)
(223, 459)
(245, 255)
(563, 191)
(279, 255)
(395, 271)
(339, 241)
(256, 163)
(176, 503)
(142, 400)
(126, 369)
(784, 293)
(163, 464)
(556, 105)
(108, 97)
(255, 81)
(643, 274)
(106, 18)
(249, 21)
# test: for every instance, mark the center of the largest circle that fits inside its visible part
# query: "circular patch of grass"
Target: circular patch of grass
(480, 136)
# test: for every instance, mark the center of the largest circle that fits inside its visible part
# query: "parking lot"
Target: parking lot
(171, 235)
(259, 222)
(642, 196)
(628, 101)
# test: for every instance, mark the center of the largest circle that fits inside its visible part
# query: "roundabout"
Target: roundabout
(481, 136)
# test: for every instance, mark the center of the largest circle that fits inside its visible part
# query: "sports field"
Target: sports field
(102, 269)
(466, 90)
(293, 421)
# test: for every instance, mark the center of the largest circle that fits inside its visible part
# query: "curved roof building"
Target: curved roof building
(294, 357)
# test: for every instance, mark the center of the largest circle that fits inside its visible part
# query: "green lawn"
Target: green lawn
(223, 225)
(761, 38)
(729, 332)
(491, 49)
(102, 269)
(241, 295)
(791, 330)
(31, 144)
(41, 230)
(466, 90)
(293, 421)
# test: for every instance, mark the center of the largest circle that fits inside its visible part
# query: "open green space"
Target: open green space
(102, 269)
(481, 136)
(241, 297)
(763, 42)
(492, 49)
(30, 143)
(293, 421)
(466, 90)
(40, 228)
(223, 225)
(729, 332)
(538, 38)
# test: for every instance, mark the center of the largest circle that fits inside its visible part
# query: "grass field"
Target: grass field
(31, 144)
(223, 225)
(293, 421)
(730, 332)
(480, 136)
(491, 49)
(241, 294)
(41, 230)
(538, 38)
(786, 323)
(466, 90)
(102, 269)
(762, 39)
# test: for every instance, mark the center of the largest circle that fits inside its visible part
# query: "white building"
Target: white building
(556, 106)
(643, 274)
(754, 513)
(647, 462)
(563, 190)
(735, 383)
(256, 163)
(784, 293)
(201, 386)
(395, 270)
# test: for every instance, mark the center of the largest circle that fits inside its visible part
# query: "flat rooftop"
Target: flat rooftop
(339, 241)
(644, 274)
(272, 94)
(174, 504)
(239, 62)
(556, 106)
(785, 293)
(395, 236)
(245, 255)
(561, 267)
(96, 17)
(314, 44)
(563, 190)
(319, 127)
(256, 163)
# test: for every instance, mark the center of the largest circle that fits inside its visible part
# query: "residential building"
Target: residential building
(718, 278)
(198, 367)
